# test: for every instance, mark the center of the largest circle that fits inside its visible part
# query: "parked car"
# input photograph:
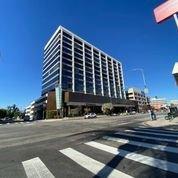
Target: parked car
(6, 120)
(27, 118)
(113, 114)
(133, 112)
(90, 116)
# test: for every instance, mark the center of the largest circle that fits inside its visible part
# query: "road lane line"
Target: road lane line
(147, 160)
(92, 165)
(158, 130)
(153, 133)
(143, 144)
(147, 137)
(35, 168)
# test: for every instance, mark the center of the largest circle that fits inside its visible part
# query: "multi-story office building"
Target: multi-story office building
(78, 66)
(86, 75)
(136, 94)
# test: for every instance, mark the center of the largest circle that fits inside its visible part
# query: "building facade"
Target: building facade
(78, 66)
(138, 95)
(29, 111)
(158, 103)
(79, 76)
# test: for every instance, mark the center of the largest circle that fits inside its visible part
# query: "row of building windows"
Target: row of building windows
(84, 55)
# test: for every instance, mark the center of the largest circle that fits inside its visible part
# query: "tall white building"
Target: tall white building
(78, 66)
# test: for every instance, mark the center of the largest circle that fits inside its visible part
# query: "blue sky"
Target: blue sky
(124, 29)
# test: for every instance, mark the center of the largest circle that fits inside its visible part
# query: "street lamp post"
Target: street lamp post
(176, 19)
(143, 77)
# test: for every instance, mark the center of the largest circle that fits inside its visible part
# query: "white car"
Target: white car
(90, 115)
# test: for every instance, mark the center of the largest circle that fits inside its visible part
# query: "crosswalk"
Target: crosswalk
(18, 123)
(137, 152)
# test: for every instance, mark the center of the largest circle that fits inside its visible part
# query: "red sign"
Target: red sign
(166, 10)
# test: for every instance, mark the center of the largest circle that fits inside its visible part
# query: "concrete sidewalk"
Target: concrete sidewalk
(161, 122)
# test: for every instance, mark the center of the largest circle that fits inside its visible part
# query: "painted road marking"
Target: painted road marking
(150, 161)
(92, 165)
(147, 137)
(143, 144)
(157, 130)
(153, 133)
(35, 168)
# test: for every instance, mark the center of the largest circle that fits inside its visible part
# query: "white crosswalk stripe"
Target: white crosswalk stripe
(143, 144)
(150, 161)
(98, 163)
(131, 134)
(92, 165)
(157, 130)
(153, 133)
(35, 168)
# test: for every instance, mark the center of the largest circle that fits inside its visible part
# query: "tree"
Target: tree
(13, 111)
(3, 113)
(107, 108)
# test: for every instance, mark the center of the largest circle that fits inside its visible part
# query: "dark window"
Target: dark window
(89, 87)
(87, 51)
(65, 61)
(52, 48)
(67, 45)
(51, 58)
(78, 66)
(55, 80)
(51, 65)
(87, 47)
(50, 76)
(67, 73)
(77, 46)
(78, 61)
(52, 87)
(77, 41)
(66, 83)
(89, 79)
(78, 85)
(67, 56)
(86, 55)
(77, 55)
(52, 41)
(67, 50)
(66, 67)
(88, 64)
(78, 51)
(95, 51)
(78, 71)
(67, 35)
(98, 89)
(67, 40)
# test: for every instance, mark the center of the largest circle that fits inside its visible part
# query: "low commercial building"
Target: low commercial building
(29, 111)
(158, 103)
(135, 94)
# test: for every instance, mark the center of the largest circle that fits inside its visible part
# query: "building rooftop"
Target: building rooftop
(61, 27)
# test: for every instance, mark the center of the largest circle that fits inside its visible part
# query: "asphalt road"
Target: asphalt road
(102, 147)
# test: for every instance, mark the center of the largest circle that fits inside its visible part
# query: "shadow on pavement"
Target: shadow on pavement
(148, 171)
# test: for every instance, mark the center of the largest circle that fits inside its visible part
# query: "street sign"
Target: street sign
(166, 10)
(58, 91)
